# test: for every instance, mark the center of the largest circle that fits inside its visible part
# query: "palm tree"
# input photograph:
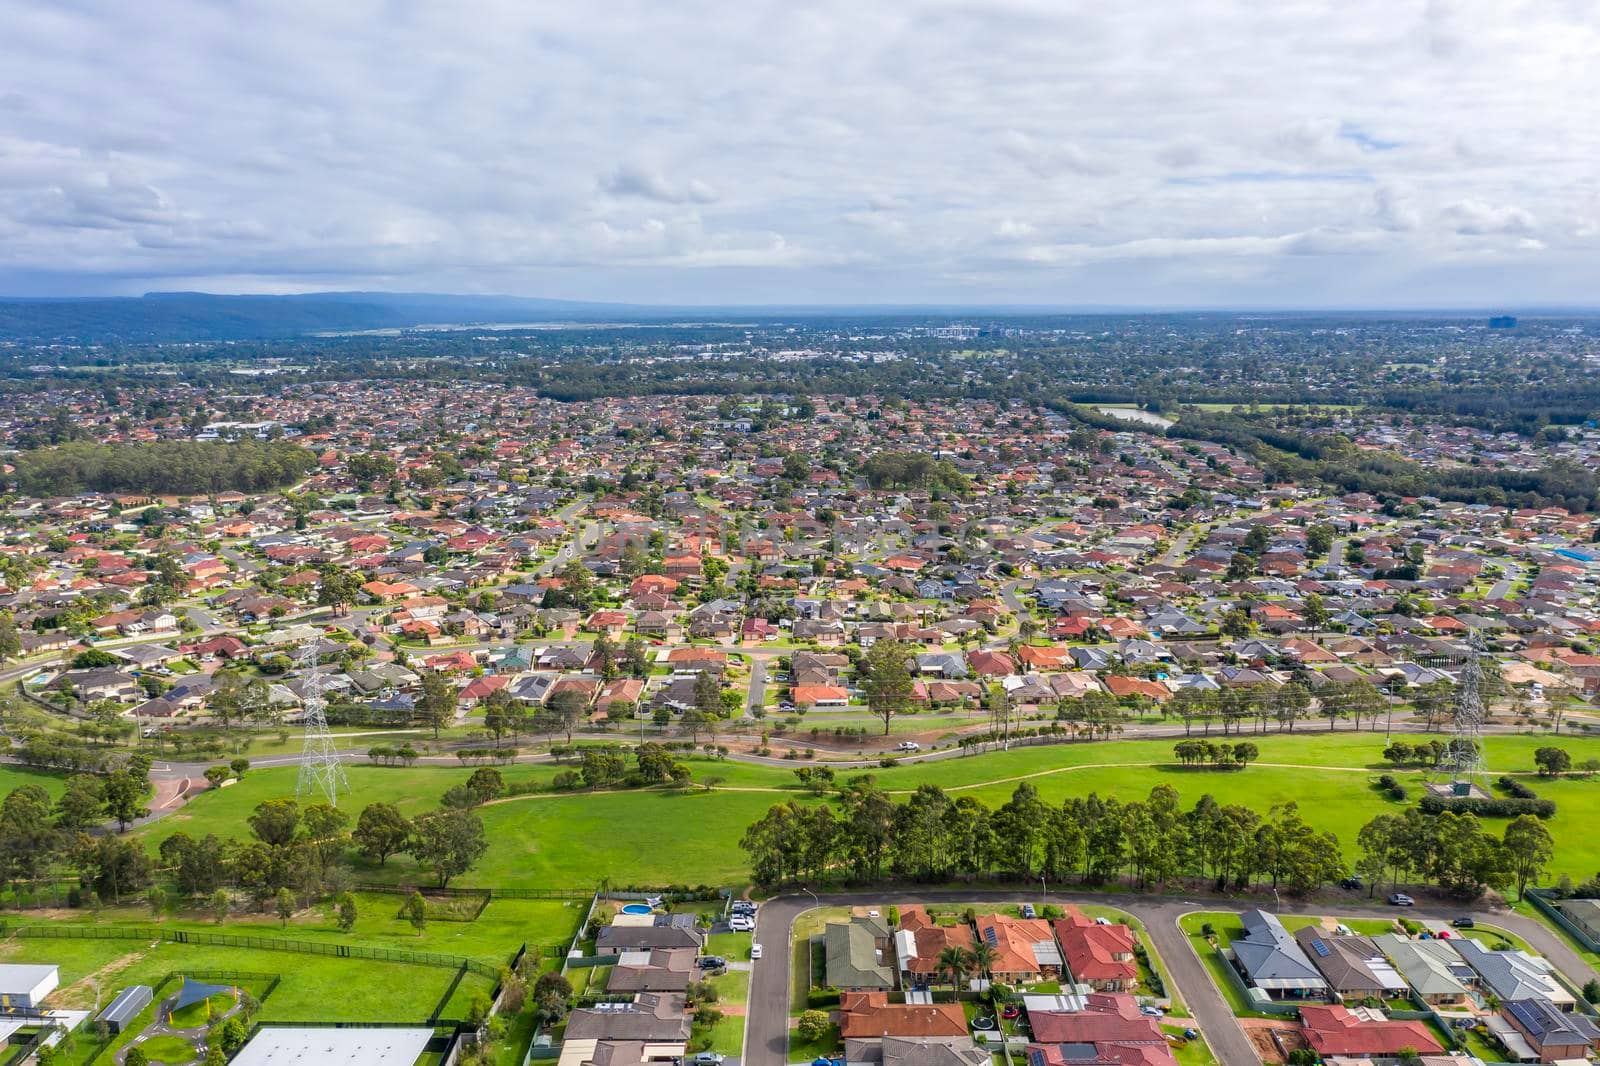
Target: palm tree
(952, 963)
(982, 957)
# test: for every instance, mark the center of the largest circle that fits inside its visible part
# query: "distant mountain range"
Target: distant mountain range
(195, 316)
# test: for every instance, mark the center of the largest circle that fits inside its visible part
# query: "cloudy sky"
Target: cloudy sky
(1169, 152)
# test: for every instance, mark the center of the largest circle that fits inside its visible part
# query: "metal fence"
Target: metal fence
(1540, 898)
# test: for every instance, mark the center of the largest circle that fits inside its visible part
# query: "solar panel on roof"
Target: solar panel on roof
(991, 936)
(1321, 948)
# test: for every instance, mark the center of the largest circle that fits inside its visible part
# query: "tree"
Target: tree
(565, 709)
(953, 962)
(113, 866)
(10, 640)
(813, 1025)
(437, 707)
(416, 911)
(1529, 848)
(886, 678)
(1316, 614)
(347, 912)
(501, 714)
(381, 831)
(284, 904)
(81, 805)
(487, 784)
(1236, 623)
(449, 842)
(125, 792)
(1552, 762)
(219, 905)
(216, 775)
(275, 822)
(325, 825)
(551, 994)
(136, 1057)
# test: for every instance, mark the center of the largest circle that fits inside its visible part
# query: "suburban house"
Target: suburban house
(1513, 974)
(867, 1020)
(658, 970)
(1099, 955)
(1432, 968)
(1335, 1030)
(1352, 965)
(1271, 960)
(653, 1018)
(1109, 1030)
(924, 1051)
(919, 942)
(1552, 1035)
(616, 939)
(1025, 949)
(860, 954)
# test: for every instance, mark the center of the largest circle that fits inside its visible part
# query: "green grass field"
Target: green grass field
(572, 840)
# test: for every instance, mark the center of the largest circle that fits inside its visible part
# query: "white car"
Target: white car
(910, 745)
(755, 951)
(741, 924)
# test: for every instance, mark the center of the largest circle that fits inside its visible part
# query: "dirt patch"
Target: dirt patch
(1273, 1042)
(81, 993)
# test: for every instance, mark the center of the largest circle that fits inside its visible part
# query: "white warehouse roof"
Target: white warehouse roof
(334, 1047)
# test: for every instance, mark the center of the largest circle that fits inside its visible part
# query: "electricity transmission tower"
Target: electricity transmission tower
(320, 771)
(1462, 759)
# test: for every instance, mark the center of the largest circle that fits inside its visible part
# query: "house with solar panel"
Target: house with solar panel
(1352, 965)
(1550, 1034)
(1272, 962)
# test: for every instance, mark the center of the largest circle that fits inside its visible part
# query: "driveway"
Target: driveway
(767, 1023)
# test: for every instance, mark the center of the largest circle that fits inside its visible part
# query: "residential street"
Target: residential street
(767, 1035)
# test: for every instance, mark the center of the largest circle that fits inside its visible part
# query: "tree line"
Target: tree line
(160, 467)
(933, 837)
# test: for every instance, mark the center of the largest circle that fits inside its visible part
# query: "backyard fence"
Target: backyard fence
(1540, 898)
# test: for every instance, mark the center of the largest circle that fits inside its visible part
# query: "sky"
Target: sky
(1166, 153)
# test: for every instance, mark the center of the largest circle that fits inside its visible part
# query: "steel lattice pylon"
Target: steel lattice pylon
(1462, 759)
(320, 770)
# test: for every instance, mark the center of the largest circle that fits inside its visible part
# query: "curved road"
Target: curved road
(767, 1012)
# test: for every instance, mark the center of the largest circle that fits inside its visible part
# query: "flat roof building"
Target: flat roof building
(324, 1047)
(24, 987)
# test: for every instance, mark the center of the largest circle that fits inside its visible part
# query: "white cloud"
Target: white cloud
(1016, 150)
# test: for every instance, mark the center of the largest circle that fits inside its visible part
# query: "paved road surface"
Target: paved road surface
(767, 1032)
(758, 685)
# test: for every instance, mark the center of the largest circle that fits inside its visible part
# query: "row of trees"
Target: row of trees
(1232, 708)
(934, 837)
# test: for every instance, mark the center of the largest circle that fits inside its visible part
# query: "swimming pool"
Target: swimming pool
(637, 908)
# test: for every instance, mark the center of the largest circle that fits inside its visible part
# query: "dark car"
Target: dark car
(1463, 923)
(712, 962)
(1351, 883)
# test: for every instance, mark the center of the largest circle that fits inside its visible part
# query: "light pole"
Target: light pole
(1277, 901)
(1044, 890)
(814, 900)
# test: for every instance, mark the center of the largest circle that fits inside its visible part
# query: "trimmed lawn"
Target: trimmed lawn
(1225, 927)
(1194, 1052)
(169, 1049)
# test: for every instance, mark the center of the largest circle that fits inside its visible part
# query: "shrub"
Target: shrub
(822, 998)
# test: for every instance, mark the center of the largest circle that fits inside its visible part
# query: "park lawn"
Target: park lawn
(197, 1014)
(314, 987)
(14, 777)
(655, 836)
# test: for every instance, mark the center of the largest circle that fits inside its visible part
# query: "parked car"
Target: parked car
(1151, 1012)
(910, 745)
(712, 962)
(1351, 883)
(1463, 923)
(1028, 911)
(1400, 899)
(707, 1058)
(742, 923)
(755, 951)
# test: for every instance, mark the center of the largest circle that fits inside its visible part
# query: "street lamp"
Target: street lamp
(1044, 890)
(1277, 901)
(814, 900)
